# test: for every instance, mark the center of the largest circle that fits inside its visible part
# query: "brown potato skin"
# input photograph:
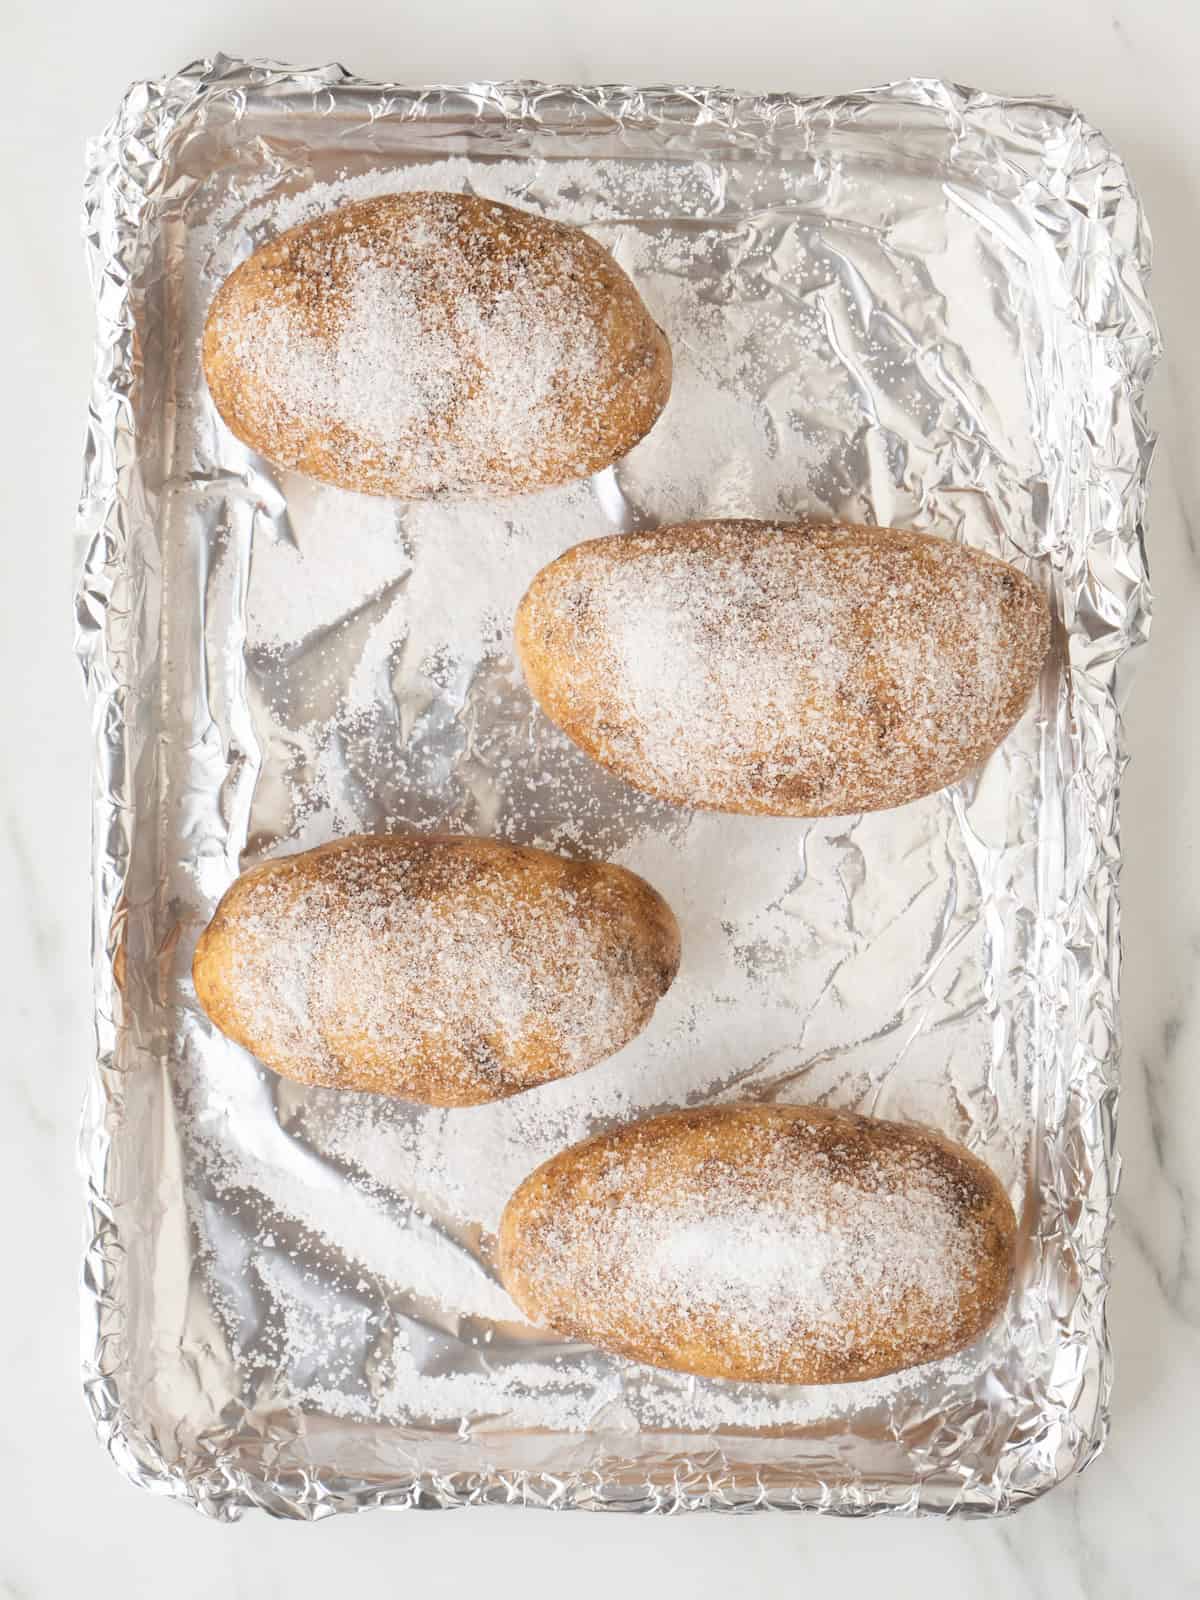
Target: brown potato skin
(632, 377)
(354, 1027)
(869, 745)
(671, 1155)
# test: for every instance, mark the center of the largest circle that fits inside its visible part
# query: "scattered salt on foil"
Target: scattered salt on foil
(908, 348)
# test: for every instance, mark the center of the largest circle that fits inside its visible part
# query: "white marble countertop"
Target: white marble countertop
(68, 1524)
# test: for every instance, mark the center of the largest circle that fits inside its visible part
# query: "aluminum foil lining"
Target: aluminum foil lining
(922, 306)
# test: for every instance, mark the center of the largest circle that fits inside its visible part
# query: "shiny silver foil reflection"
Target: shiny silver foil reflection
(920, 305)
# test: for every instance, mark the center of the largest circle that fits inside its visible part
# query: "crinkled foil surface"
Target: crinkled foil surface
(920, 305)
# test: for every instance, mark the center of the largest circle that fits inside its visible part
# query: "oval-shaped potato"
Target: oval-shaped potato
(443, 969)
(776, 1244)
(425, 345)
(793, 670)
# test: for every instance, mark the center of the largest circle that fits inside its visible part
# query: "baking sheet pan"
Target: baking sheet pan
(921, 305)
